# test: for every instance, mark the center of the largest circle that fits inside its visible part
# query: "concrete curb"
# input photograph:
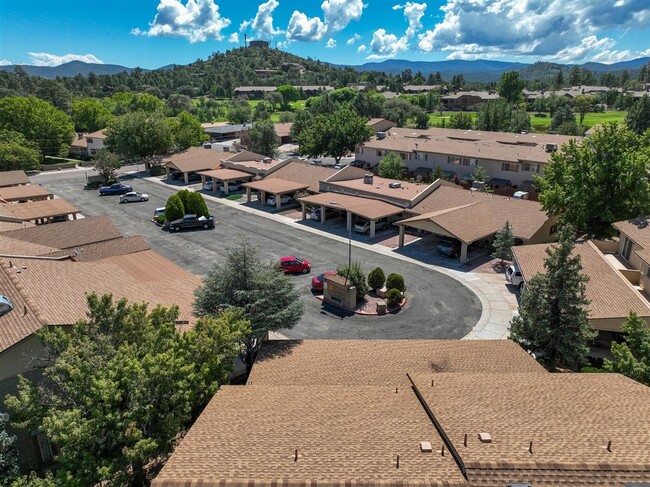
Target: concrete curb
(496, 312)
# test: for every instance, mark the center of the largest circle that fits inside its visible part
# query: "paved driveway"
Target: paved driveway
(440, 307)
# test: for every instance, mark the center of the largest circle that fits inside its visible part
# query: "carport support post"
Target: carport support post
(248, 195)
(263, 197)
(167, 172)
(278, 201)
(372, 228)
(322, 215)
(463, 253)
(186, 177)
(401, 235)
(349, 221)
(214, 185)
(202, 181)
(225, 186)
(304, 210)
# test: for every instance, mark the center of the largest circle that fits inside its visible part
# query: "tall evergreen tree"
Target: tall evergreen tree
(504, 240)
(632, 357)
(638, 117)
(553, 319)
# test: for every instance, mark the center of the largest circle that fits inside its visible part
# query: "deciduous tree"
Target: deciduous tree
(461, 120)
(139, 135)
(16, 152)
(89, 115)
(553, 319)
(599, 180)
(632, 357)
(122, 385)
(399, 111)
(289, 94)
(106, 163)
(9, 468)
(186, 131)
(510, 86)
(494, 115)
(392, 167)
(261, 138)
(239, 111)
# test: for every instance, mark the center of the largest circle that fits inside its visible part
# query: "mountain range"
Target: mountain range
(478, 70)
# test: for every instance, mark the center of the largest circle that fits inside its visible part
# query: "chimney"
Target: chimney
(367, 178)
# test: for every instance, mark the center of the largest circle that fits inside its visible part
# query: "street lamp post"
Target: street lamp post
(349, 242)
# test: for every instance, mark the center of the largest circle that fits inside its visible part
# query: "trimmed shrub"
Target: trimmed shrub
(393, 298)
(196, 205)
(184, 195)
(356, 275)
(395, 281)
(376, 278)
(161, 219)
(174, 208)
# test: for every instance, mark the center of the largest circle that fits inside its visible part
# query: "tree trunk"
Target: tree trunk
(138, 479)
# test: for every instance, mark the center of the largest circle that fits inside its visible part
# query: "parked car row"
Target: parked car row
(232, 187)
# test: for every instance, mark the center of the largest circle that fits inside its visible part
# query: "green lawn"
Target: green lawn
(435, 118)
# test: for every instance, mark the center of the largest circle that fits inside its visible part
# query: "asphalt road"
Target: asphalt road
(439, 306)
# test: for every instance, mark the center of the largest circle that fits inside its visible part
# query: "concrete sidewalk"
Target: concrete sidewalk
(497, 310)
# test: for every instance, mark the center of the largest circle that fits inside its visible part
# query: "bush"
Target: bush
(161, 219)
(393, 298)
(157, 171)
(196, 205)
(376, 278)
(395, 281)
(174, 208)
(184, 195)
(356, 275)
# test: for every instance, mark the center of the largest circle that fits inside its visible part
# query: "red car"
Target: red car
(292, 265)
(317, 281)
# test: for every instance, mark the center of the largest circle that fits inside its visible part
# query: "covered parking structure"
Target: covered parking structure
(40, 212)
(367, 208)
(274, 186)
(27, 192)
(223, 176)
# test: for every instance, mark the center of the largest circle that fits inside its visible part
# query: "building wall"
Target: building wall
(611, 324)
(546, 233)
(94, 144)
(17, 359)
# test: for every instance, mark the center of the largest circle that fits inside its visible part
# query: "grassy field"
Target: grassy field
(541, 124)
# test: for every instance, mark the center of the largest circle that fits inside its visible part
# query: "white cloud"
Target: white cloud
(5, 62)
(302, 28)
(645, 53)
(361, 48)
(197, 21)
(384, 45)
(263, 21)
(413, 13)
(544, 29)
(339, 13)
(331, 44)
(47, 59)
(353, 39)
(234, 38)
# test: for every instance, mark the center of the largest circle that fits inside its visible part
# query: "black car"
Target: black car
(449, 248)
(192, 221)
(117, 188)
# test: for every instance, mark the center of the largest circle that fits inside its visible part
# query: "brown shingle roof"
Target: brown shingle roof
(475, 214)
(14, 246)
(27, 191)
(638, 229)
(99, 134)
(570, 418)
(13, 178)
(605, 282)
(364, 207)
(302, 172)
(104, 250)
(70, 234)
(8, 223)
(283, 129)
(247, 161)
(276, 185)
(225, 174)
(56, 290)
(344, 437)
(16, 325)
(196, 159)
(381, 187)
(33, 210)
(378, 362)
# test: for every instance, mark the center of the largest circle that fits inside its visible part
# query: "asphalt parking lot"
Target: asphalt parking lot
(439, 307)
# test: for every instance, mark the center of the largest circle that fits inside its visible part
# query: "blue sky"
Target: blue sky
(153, 33)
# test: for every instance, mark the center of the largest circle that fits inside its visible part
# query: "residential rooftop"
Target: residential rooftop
(196, 159)
(638, 230)
(302, 172)
(23, 192)
(35, 210)
(13, 178)
(403, 190)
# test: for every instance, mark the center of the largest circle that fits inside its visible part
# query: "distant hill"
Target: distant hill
(486, 71)
(70, 69)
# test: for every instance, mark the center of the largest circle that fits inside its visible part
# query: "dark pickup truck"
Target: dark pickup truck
(192, 221)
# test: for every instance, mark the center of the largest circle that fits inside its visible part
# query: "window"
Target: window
(469, 162)
(381, 153)
(45, 449)
(627, 248)
(404, 157)
(531, 167)
(90, 141)
(507, 166)
(454, 160)
(553, 230)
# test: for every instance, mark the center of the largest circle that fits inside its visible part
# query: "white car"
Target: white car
(133, 196)
(284, 200)
(231, 188)
(159, 211)
(207, 186)
(514, 276)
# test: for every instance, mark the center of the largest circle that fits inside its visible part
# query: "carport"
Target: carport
(41, 212)
(223, 176)
(369, 209)
(468, 224)
(28, 192)
(274, 186)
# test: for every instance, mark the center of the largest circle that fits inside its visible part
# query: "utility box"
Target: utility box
(381, 307)
(339, 291)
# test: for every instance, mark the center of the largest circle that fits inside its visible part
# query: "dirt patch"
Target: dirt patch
(392, 241)
(489, 265)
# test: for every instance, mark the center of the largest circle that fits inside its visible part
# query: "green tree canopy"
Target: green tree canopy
(289, 94)
(139, 135)
(186, 131)
(16, 152)
(553, 319)
(333, 135)
(267, 296)
(519, 122)
(399, 111)
(261, 138)
(584, 104)
(38, 122)
(421, 119)
(355, 274)
(638, 117)
(504, 240)
(196, 205)
(598, 181)
(106, 163)
(494, 115)
(510, 87)
(89, 115)
(392, 166)
(174, 209)
(461, 120)
(121, 386)
(632, 357)
(9, 467)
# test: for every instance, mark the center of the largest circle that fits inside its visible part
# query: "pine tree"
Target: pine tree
(632, 357)
(504, 240)
(553, 319)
